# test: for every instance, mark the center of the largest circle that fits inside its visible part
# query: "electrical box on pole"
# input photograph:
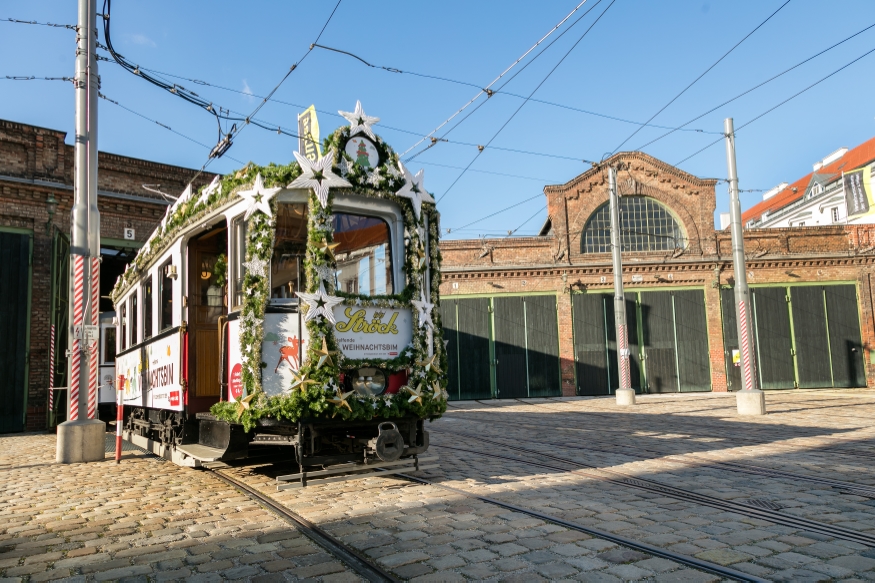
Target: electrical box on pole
(750, 400)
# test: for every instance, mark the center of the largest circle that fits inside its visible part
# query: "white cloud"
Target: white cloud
(248, 90)
(142, 39)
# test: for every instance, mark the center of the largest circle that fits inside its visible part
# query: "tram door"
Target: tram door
(207, 275)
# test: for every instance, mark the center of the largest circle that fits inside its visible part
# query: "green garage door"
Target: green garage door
(844, 336)
(466, 330)
(14, 313)
(590, 338)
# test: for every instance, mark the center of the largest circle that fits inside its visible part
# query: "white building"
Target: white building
(839, 190)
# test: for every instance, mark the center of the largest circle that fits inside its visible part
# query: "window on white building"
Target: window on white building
(835, 214)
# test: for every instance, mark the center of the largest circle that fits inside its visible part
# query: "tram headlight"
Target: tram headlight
(368, 382)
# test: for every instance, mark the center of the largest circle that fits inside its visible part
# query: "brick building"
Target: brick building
(526, 316)
(36, 197)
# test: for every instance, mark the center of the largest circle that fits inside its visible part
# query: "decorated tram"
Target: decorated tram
(288, 311)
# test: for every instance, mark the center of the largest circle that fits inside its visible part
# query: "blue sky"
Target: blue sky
(635, 59)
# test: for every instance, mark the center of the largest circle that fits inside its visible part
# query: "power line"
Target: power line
(539, 211)
(165, 126)
(502, 92)
(17, 21)
(32, 78)
(705, 72)
(488, 172)
(494, 81)
(497, 212)
(544, 80)
(773, 108)
(713, 109)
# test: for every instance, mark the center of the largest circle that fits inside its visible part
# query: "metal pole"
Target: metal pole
(80, 439)
(750, 400)
(625, 392)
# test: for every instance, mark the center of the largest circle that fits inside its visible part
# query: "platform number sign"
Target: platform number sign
(130, 235)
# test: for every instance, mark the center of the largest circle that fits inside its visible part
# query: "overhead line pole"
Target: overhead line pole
(625, 392)
(750, 400)
(81, 437)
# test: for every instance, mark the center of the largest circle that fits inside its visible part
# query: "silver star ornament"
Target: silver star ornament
(320, 304)
(318, 176)
(259, 197)
(413, 189)
(423, 307)
(359, 122)
(215, 185)
(255, 266)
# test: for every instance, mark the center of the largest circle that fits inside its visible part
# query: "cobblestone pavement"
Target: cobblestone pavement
(145, 519)
(148, 518)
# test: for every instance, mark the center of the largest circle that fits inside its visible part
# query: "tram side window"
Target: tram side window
(148, 323)
(134, 314)
(166, 296)
(289, 248)
(238, 256)
(364, 256)
(109, 345)
(123, 322)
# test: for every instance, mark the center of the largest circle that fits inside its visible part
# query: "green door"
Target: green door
(590, 344)
(14, 316)
(466, 330)
(844, 336)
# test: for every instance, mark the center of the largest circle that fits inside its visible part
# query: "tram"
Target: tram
(289, 311)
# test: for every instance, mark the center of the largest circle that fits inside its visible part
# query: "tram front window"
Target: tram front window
(364, 255)
(289, 248)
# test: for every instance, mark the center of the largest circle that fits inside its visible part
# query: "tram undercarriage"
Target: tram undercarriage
(312, 444)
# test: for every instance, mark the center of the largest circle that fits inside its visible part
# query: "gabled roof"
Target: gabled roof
(855, 158)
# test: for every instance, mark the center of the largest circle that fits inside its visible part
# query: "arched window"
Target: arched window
(645, 223)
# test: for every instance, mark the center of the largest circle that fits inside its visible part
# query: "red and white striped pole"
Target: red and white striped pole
(750, 400)
(52, 373)
(119, 417)
(76, 350)
(625, 394)
(94, 345)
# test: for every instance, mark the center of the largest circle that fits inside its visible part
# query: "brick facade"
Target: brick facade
(553, 262)
(35, 163)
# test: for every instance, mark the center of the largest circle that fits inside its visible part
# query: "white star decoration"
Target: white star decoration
(249, 319)
(259, 197)
(255, 266)
(326, 272)
(318, 176)
(344, 166)
(215, 185)
(413, 189)
(359, 122)
(320, 303)
(423, 307)
(375, 177)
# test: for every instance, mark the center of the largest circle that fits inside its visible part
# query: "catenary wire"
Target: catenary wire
(517, 95)
(494, 81)
(33, 78)
(165, 126)
(539, 211)
(544, 80)
(705, 72)
(489, 216)
(773, 108)
(755, 87)
(18, 21)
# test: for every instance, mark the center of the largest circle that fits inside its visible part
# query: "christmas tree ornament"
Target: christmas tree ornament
(328, 249)
(325, 355)
(243, 403)
(359, 122)
(438, 391)
(214, 186)
(415, 394)
(344, 166)
(320, 304)
(326, 273)
(340, 398)
(255, 266)
(429, 364)
(423, 308)
(318, 176)
(300, 381)
(258, 198)
(413, 189)
(374, 178)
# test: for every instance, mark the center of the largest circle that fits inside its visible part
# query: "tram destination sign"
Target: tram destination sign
(369, 332)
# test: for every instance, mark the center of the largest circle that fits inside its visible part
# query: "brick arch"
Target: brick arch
(675, 205)
(601, 208)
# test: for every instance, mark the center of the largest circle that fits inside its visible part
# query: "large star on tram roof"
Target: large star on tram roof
(318, 176)
(359, 122)
(413, 189)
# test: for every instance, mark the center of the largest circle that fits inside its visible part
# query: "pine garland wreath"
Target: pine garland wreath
(425, 393)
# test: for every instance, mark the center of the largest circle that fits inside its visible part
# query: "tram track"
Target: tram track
(693, 460)
(371, 572)
(688, 434)
(346, 554)
(619, 478)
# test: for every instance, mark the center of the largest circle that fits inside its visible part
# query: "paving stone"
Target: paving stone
(620, 556)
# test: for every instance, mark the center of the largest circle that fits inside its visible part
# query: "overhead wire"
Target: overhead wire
(498, 212)
(165, 126)
(33, 78)
(773, 108)
(755, 87)
(544, 80)
(705, 72)
(51, 24)
(486, 89)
